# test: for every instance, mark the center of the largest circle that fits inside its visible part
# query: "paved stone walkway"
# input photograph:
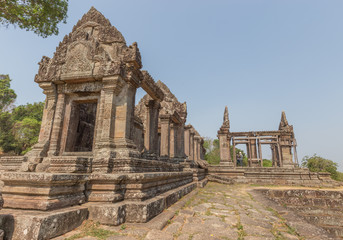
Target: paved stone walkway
(217, 212)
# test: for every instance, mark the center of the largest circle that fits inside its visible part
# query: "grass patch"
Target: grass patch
(251, 197)
(241, 232)
(92, 229)
(290, 229)
(208, 212)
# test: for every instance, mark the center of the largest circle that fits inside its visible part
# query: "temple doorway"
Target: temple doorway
(81, 127)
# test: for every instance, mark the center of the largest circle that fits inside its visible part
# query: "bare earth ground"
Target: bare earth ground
(217, 211)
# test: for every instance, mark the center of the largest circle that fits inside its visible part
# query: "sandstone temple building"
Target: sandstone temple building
(99, 155)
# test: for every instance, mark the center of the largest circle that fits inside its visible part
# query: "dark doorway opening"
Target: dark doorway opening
(81, 127)
(85, 129)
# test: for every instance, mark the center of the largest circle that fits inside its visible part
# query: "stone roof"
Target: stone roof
(170, 103)
(94, 49)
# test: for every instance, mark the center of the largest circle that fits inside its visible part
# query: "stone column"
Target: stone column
(181, 140)
(57, 125)
(274, 154)
(253, 146)
(172, 140)
(105, 131)
(191, 145)
(196, 150)
(151, 131)
(224, 145)
(105, 125)
(187, 141)
(125, 148)
(48, 112)
(124, 114)
(286, 152)
(165, 138)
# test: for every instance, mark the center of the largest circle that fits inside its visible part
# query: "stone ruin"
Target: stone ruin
(99, 156)
(285, 168)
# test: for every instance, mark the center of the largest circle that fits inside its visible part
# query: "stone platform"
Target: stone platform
(270, 176)
(46, 205)
(29, 224)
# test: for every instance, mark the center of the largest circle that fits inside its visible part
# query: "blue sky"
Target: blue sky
(258, 57)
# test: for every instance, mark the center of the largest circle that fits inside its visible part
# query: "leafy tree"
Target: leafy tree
(7, 95)
(39, 16)
(6, 136)
(34, 111)
(267, 163)
(25, 134)
(212, 155)
(318, 164)
(19, 128)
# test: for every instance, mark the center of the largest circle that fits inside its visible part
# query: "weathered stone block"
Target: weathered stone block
(42, 191)
(69, 164)
(106, 187)
(108, 214)
(141, 212)
(28, 225)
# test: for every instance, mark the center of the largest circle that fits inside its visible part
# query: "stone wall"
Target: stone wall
(324, 208)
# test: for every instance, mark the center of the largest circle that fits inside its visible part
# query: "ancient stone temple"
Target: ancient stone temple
(98, 154)
(285, 167)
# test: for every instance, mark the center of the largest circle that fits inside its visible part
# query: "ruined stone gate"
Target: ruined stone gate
(98, 155)
(285, 168)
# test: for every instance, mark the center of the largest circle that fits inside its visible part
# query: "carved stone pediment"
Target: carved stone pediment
(78, 63)
(94, 49)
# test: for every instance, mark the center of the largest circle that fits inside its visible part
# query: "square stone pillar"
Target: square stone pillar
(224, 145)
(180, 140)
(253, 147)
(187, 141)
(191, 145)
(165, 137)
(172, 142)
(48, 111)
(196, 148)
(151, 128)
(57, 125)
(286, 151)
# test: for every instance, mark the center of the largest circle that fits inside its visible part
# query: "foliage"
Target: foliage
(19, 127)
(39, 16)
(34, 111)
(92, 229)
(25, 134)
(7, 95)
(6, 136)
(319, 164)
(267, 163)
(212, 155)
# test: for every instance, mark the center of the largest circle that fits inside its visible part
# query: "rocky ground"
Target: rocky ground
(217, 211)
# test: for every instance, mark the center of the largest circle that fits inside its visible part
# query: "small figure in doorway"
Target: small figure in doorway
(239, 159)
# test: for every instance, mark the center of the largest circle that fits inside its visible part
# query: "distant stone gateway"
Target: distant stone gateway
(285, 168)
(100, 157)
